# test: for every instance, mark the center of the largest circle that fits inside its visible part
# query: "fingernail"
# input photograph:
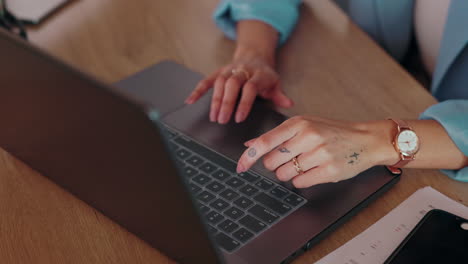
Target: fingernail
(212, 117)
(239, 117)
(223, 118)
(240, 168)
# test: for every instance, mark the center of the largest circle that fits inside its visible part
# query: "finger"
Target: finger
(217, 97)
(249, 142)
(279, 98)
(202, 87)
(266, 143)
(231, 92)
(313, 177)
(306, 161)
(249, 93)
(285, 153)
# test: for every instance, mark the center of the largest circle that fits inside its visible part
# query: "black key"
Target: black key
(242, 235)
(203, 208)
(189, 171)
(263, 214)
(221, 175)
(265, 185)
(201, 179)
(212, 230)
(194, 188)
(248, 190)
(252, 223)
(180, 164)
(183, 154)
(235, 183)
(205, 197)
(214, 217)
(207, 154)
(279, 192)
(215, 187)
(228, 226)
(219, 205)
(208, 168)
(226, 242)
(243, 202)
(248, 177)
(294, 200)
(173, 146)
(272, 203)
(194, 161)
(234, 213)
(228, 194)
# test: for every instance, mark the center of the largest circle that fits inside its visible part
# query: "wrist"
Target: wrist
(381, 135)
(248, 52)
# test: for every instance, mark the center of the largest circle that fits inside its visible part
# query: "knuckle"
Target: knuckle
(233, 81)
(221, 78)
(216, 101)
(261, 143)
(243, 106)
(281, 174)
(251, 87)
(326, 154)
(268, 163)
(228, 102)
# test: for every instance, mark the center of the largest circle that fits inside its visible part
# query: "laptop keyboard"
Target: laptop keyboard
(237, 207)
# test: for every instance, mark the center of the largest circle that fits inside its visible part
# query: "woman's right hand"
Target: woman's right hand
(245, 77)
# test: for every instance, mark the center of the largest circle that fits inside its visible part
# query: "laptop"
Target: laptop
(167, 178)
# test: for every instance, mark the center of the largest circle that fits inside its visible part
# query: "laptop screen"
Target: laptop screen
(99, 146)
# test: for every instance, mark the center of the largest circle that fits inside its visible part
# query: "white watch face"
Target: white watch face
(408, 142)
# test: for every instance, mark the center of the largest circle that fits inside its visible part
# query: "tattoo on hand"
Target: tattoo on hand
(353, 158)
(252, 152)
(284, 150)
(355, 155)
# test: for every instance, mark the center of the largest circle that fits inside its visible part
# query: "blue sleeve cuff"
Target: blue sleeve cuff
(453, 116)
(281, 15)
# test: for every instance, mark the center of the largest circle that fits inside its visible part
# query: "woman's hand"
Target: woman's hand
(325, 150)
(251, 73)
(246, 78)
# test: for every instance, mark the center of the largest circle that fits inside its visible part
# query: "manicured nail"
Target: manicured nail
(223, 118)
(240, 117)
(212, 117)
(240, 168)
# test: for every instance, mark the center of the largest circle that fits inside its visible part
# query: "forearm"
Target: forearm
(254, 39)
(437, 150)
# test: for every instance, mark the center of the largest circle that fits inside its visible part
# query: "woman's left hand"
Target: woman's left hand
(325, 150)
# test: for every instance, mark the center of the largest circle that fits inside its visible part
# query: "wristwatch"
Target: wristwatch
(406, 143)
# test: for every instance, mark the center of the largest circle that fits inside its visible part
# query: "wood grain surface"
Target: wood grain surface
(329, 67)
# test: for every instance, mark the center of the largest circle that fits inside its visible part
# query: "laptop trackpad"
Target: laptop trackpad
(193, 120)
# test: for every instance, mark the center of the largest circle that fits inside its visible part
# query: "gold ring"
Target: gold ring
(244, 72)
(298, 168)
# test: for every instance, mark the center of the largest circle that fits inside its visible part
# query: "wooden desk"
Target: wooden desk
(329, 68)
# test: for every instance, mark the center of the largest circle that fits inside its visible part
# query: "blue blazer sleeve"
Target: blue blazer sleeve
(280, 14)
(453, 116)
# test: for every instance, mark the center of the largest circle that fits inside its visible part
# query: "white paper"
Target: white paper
(377, 243)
